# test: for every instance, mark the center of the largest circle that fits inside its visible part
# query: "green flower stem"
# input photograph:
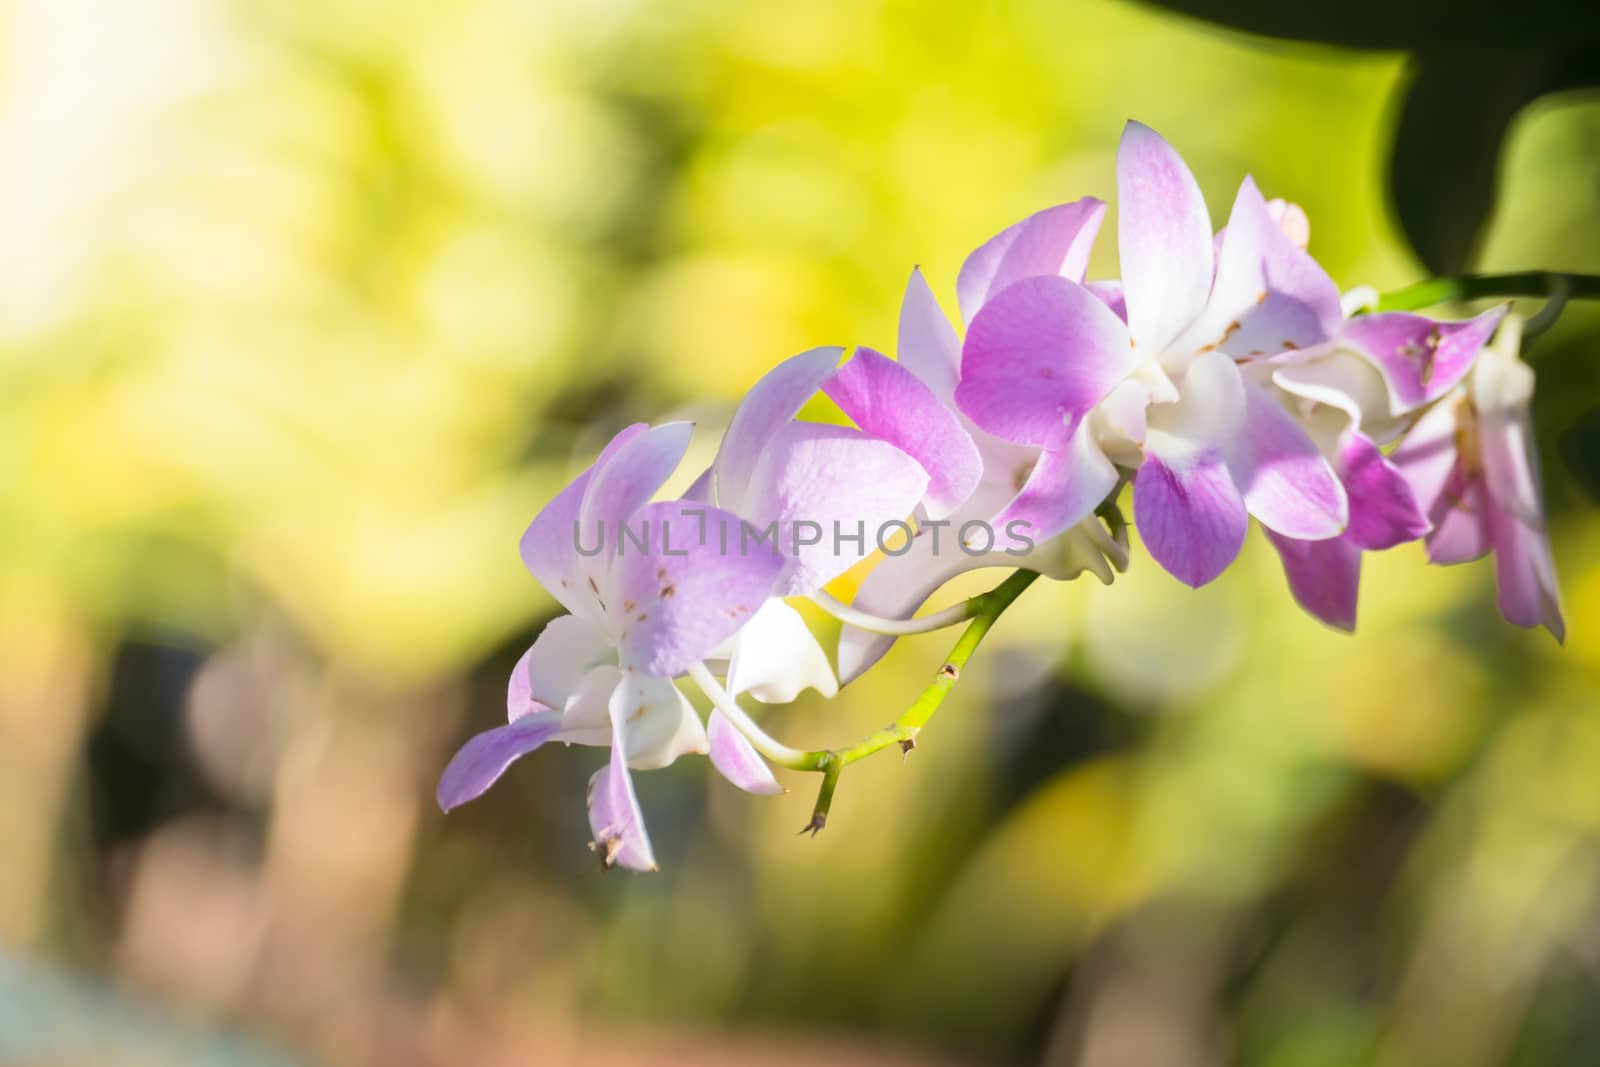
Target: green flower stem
(1533, 283)
(987, 608)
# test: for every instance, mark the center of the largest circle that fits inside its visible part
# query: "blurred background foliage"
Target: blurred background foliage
(306, 309)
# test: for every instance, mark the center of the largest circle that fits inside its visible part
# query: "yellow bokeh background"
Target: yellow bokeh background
(306, 309)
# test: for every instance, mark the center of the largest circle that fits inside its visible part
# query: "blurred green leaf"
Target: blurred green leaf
(1452, 126)
(1580, 451)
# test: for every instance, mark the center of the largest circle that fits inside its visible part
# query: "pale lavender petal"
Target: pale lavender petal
(770, 403)
(1529, 594)
(1460, 520)
(1286, 482)
(484, 758)
(1323, 576)
(1163, 236)
(738, 762)
(546, 675)
(701, 491)
(699, 580)
(928, 345)
(817, 480)
(1056, 241)
(614, 815)
(1383, 510)
(890, 403)
(1270, 295)
(1526, 574)
(1189, 513)
(626, 481)
(1062, 490)
(1109, 293)
(547, 547)
(1421, 358)
(1038, 358)
(1427, 456)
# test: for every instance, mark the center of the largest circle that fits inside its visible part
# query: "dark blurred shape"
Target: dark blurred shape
(1475, 66)
(1580, 450)
(1378, 24)
(1444, 167)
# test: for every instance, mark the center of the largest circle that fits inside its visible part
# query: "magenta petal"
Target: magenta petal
(1270, 295)
(1189, 514)
(1062, 490)
(1323, 576)
(484, 758)
(1038, 358)
(692, 589)
(928, 345)
(1383, 511)
(890, 403)
(770, 403)
(1426, 457)
(1163, 236)
(738, 762)
(1421, 358)
(1055, 241)
(1286, 482)
(547, 546)
(614, 816)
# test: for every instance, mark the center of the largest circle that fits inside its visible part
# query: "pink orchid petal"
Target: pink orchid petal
(817, 479)
(483, 759)
(1188, 511)
(1460, 518)
(770, 403)
(1286, 482)
(1426, 457)
(698, 581)
(1055, 241)
(1062, 490)
(547, 546)
(1421, 358)
(1524, 568)
(1038, 358)
(928, 346)
(1163, 237)
(1110, 294)
(1383, 511)
(737, 761)
(630, 476)
(548, 673)
(1270, 295)
(1324, 577)
(614, 816)
(1526, 575)
(890, 403)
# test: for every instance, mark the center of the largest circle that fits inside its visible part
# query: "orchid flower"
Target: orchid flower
(1473, 465)
(640, 615)
(1353, 395)
(1048, 363)
(1012, 494)
(908, 453)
